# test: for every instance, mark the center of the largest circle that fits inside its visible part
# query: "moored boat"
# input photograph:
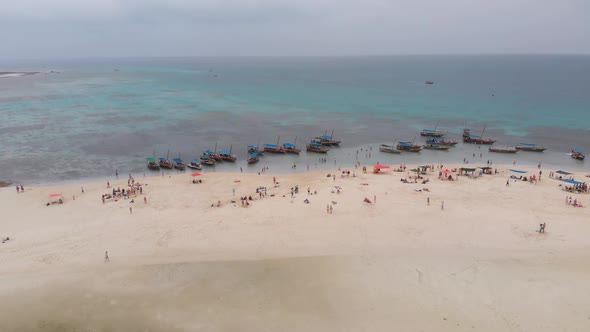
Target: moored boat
(153, 164)
(389, 149)
(291, 147)
(273, 148)
(327, 140)
(441, 142)
(432, 133)
(227, 155)
(530, 147)
(207, 160)
(194, 164)
(317, 147)
(503, 149)
(577, 154)
(165, 163)
(179, 164)
(253, 158)
(255, 149)
(408, 147)
(437, 147)
(474, 139)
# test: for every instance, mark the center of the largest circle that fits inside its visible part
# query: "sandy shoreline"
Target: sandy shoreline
(179, 264)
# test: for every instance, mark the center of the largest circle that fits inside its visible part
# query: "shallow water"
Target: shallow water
(94, 116)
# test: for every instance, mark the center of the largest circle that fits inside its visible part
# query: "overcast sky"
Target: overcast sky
(111, 28)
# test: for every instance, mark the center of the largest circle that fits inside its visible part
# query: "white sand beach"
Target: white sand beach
(177, 263)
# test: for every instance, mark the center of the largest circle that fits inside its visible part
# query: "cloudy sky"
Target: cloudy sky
(111, 28)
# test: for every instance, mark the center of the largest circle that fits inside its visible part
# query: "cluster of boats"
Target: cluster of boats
(435, 141)
(319, 144)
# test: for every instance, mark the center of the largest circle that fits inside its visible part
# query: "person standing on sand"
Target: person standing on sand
(375, 199)
(428, 201)
(17, 189)
(145, 199)
(106, 257)
(328, 208)
(507, 183)
(442, 205)
(130, 210)
(331, 209)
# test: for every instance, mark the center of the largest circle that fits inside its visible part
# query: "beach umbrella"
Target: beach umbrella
(196, 174)
(446, 172)
(379, 166)
(54, 195)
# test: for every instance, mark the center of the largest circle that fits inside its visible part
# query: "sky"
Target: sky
(33, 29)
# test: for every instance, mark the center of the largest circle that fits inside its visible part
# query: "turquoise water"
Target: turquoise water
(94, 116)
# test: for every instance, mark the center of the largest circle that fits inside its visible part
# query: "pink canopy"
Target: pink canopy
(446, 172)
(196, 174)
(379, 166)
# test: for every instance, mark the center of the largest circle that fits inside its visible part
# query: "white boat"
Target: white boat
(389, 149)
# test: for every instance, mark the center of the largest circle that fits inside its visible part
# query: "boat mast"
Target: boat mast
(230, 146)
(215, 152)
(332, 134)
(436, 126)
(483, 130)
(295, 142)
(168, 154)
(278, 140)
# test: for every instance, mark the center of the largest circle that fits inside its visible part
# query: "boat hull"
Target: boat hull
(389, 149)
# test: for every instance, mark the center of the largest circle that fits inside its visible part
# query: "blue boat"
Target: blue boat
(577, 154)
(227, 155)
(315, 146)
(179, 164)
(254, 158)
(274, 148)
(327, 140)
(165, 163)
(194, 164)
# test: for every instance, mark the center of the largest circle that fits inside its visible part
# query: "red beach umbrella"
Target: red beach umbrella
(379, 166)
(446, 172)
(196, 174)
(55, 195)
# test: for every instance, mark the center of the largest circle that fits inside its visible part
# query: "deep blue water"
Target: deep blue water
(93, 116)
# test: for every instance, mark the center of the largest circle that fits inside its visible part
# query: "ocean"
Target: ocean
(84, 119)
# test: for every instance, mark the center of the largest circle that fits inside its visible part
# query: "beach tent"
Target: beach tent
(518, 171)
(196, 174)
(56, 197)
(573, 181)
(378, 167)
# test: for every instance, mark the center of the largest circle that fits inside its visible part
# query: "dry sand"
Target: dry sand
(178, 264)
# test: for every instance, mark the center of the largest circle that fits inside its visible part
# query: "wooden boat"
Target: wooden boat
(429, 82)
(179, 164)
(441, 142)
(437, 147)
(255, 149)
(578, 154)
(432, 132)
(227, 155)
(194, 164)
(408, 147)
(503, 149)
(207, 160)
(165, 163)
(327, 140)
(274, 148)
(292, 148)
(530, 147)
(474, 139)
(153, 164)
(389, 149)
(317, 147)
(253, 158)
